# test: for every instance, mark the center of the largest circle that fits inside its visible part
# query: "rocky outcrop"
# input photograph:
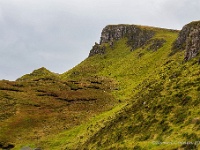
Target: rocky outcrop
(136, 35)
(189, 40)
(193, 43)
(97, 49)
(113, 32)
(156, 44)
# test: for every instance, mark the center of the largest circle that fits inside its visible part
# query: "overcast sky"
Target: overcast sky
(58, 34)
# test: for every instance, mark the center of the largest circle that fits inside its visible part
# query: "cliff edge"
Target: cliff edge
(189, 40)
(136, 36)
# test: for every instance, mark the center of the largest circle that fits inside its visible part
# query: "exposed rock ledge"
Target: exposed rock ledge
(136, 35)
(189, 40)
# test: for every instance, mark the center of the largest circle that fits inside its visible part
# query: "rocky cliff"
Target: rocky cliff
(189, 40)
(136, 35)
(97, 49)
(125, 99)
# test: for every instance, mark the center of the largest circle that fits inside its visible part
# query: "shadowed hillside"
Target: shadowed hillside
(138, 89)
(39, 104)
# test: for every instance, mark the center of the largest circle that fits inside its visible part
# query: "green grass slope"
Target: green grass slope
(162, 92)
(128, 69)
(163, 115)
(146, 98)
(40, 105)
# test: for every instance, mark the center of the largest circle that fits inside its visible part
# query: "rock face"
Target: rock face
(97, 49)
(136, 35)
(189, 40)
(155, 44)
(113, 32)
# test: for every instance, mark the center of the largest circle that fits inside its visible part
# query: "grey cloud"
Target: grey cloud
(58, 34)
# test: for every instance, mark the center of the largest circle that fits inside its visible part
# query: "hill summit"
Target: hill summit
(138, 89)
(41, 73)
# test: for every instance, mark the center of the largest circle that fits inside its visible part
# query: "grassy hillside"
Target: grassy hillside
(127, 68)
(166, 109)
(162, 92)
(121, 98)
(40, 105)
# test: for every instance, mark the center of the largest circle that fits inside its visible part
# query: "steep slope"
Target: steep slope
(128, 66)
(40, 105)
(138, 89)
(161, 89)
(163, 115)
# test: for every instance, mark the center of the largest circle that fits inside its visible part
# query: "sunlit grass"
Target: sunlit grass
(144, 96)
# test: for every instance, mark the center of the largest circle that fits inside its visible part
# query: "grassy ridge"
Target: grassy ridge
(165, 110)
(168, 114)
(41, 105)
(126, 67)
(162, 92)
(123, 99)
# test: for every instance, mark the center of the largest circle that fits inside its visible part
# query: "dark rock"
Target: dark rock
(189, 40)
(193, 44)
(156, 44)
(180, 42)
(113, 32)
(6, 146)
(136, 35)
(139, 37)
(97, 49)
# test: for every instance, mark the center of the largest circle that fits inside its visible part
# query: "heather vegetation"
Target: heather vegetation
(146, 97)
(41, 105)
